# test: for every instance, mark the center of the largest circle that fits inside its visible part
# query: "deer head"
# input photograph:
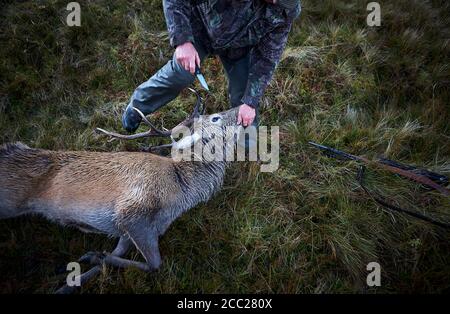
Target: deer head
(208, 130)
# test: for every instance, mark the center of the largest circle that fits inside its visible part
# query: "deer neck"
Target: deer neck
(199, 180)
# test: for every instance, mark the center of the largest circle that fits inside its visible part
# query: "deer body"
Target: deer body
(134, 196)
(94, 191)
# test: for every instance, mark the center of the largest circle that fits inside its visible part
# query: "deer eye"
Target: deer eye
(215, 119)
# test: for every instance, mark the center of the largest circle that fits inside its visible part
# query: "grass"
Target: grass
(306, 228)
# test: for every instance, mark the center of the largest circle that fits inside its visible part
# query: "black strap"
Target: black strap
(360, 179)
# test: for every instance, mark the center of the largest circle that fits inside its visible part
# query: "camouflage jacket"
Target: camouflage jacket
(234, 28)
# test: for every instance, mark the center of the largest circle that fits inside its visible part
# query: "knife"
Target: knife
(201, 78)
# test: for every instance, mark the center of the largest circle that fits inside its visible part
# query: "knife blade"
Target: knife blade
(201, 78)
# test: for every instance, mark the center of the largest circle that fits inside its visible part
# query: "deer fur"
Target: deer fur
(133, 196)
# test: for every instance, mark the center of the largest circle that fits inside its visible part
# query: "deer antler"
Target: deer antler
(198, 103)
(152, 132)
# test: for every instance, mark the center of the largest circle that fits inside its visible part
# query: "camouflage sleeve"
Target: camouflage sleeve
(177, 13)
(264, 57)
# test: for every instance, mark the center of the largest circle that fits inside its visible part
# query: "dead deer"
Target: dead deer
(133, 196)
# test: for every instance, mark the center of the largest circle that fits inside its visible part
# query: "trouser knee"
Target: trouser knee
(182, 78)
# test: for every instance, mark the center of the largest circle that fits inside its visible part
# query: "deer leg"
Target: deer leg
(95, 258)
(148, 245)
(115, 261)
(146, 241)
(145, 238)
(121, 249)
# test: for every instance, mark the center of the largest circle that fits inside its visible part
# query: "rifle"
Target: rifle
(423, 176)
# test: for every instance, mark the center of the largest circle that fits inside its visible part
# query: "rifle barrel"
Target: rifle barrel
(335, 151)
(420, 178)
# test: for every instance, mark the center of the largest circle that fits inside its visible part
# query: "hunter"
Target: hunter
(249, 37)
